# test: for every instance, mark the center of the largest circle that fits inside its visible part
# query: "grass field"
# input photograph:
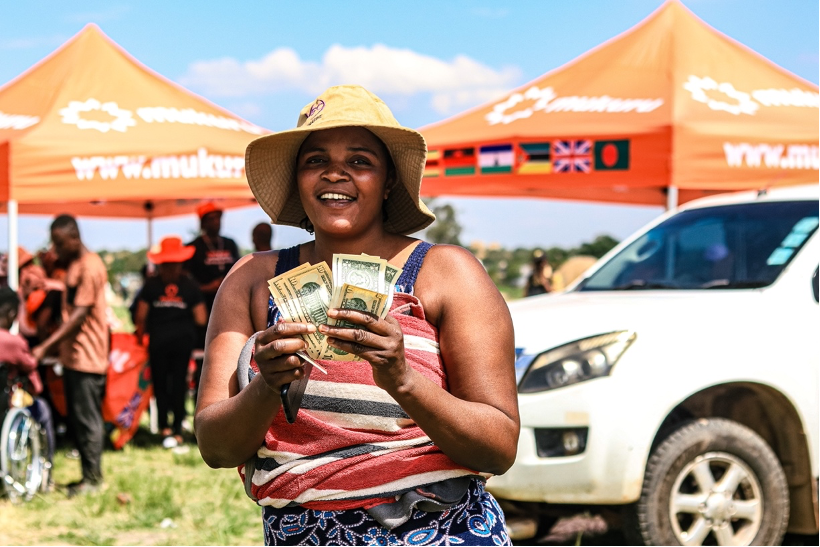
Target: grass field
(144, 486)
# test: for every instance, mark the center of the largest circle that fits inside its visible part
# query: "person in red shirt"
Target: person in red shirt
(15, 354)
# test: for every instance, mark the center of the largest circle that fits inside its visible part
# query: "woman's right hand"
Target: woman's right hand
(274, 353)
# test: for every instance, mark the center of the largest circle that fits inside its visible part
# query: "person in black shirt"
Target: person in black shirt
(169, 308)
(213, 257)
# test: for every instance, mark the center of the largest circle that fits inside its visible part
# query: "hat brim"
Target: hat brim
(270, 166)
(167, 257)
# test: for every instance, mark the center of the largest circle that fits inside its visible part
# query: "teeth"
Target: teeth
(335, 196)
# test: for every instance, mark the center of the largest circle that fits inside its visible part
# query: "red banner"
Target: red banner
(128, 387)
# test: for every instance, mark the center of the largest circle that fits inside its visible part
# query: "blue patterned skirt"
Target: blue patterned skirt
(476, 520)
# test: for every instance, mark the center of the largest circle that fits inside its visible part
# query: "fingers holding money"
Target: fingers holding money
(275, 353)
(379, 341)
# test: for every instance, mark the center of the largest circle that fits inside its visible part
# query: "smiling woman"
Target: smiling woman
(395, 445)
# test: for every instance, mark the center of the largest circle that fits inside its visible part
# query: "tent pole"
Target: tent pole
(671, 198)
(13, 266)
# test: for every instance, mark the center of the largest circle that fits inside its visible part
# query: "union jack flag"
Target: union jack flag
(573, 156)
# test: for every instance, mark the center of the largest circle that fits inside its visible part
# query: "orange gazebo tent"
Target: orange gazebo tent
(91, 131)
(666, 112)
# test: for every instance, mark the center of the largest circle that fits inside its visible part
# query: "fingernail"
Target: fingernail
(323, 328)
(332, 312)
(311, 327)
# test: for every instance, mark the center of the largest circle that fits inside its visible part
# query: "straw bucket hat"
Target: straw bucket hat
(270, 161)
(170, 249)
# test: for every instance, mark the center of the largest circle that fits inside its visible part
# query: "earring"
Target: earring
(307, 225)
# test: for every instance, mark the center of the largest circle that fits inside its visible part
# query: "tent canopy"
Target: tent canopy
(91, 131)
(670, 103)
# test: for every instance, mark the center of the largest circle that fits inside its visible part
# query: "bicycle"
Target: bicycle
(24, 446)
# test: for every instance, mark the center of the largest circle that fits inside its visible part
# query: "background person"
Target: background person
(442, 410)
(169, 308)
(83, 339)
(540, 280)
(15, 353)
(262, 236)
(214, 255)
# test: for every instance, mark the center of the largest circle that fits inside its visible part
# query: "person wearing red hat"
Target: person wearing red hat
(169, 308)
(213, 257)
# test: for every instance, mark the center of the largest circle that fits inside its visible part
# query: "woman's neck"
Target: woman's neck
(383, 244)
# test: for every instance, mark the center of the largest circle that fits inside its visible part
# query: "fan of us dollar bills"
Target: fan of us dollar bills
(359, 282)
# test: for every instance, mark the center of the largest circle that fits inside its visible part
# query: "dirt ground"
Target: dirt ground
(586, 529)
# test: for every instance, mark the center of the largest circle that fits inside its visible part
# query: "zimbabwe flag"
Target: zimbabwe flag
(612, 155)
(459, 161)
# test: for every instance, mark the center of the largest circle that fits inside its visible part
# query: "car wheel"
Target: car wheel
(711, 481)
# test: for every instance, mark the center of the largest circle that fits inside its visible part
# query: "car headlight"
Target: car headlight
(575, 362)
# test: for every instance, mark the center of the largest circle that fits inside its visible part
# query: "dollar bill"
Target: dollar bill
(359, 270)
(352, 297)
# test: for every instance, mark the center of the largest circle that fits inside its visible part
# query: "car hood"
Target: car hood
(547, 321)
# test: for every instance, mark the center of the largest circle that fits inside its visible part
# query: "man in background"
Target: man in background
(83, 341)
(214, 255)
(262, 235)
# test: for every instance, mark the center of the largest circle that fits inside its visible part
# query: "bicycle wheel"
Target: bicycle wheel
(20, 460)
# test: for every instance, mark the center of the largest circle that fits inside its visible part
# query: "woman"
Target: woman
(435, 385)
(169, 308)
(540, 280)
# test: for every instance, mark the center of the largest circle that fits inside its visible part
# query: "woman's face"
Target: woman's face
(342, 178)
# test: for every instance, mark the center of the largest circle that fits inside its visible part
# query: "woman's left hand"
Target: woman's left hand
(380, 342)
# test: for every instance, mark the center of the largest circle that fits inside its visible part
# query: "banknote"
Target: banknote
(304, 294)
(352, 297)
(359, 270)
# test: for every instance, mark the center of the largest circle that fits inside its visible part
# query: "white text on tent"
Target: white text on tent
(199, 165)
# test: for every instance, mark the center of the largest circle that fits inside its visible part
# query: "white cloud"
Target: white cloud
(453, 84)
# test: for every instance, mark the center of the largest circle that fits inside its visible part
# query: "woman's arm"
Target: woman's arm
(140, 315)
(231, 424)
(200, 313)
(476, 423)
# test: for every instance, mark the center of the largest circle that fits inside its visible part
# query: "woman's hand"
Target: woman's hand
(380, 342)
(274, 353)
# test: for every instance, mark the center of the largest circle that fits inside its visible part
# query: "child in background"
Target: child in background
(169, 308)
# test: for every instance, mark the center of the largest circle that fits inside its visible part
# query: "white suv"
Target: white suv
(679, 378)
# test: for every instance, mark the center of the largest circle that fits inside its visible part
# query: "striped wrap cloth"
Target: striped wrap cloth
(352, 445)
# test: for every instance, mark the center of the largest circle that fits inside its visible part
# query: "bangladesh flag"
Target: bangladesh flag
(612, 155)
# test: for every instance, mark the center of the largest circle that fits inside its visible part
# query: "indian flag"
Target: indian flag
(495, 159)
(432, 167)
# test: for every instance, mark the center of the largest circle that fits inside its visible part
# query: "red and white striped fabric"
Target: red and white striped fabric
(352, 445)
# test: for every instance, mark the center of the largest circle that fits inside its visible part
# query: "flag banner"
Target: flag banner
(534, 158)
(432, 168)
(612, 155)
(495, 159)
(572, 156)
(128, 387)
(459, 161)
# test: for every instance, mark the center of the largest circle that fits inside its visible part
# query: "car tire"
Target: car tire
(714, 481)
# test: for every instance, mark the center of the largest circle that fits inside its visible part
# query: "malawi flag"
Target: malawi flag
(433, 167)
(495, 159)
(459, 161)
(612, 155)
(534, 158)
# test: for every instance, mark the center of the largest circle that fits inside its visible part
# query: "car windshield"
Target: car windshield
(728, 247)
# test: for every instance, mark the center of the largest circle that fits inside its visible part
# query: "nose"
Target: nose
(336, 172)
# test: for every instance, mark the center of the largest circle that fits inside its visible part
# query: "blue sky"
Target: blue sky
(265, 60)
